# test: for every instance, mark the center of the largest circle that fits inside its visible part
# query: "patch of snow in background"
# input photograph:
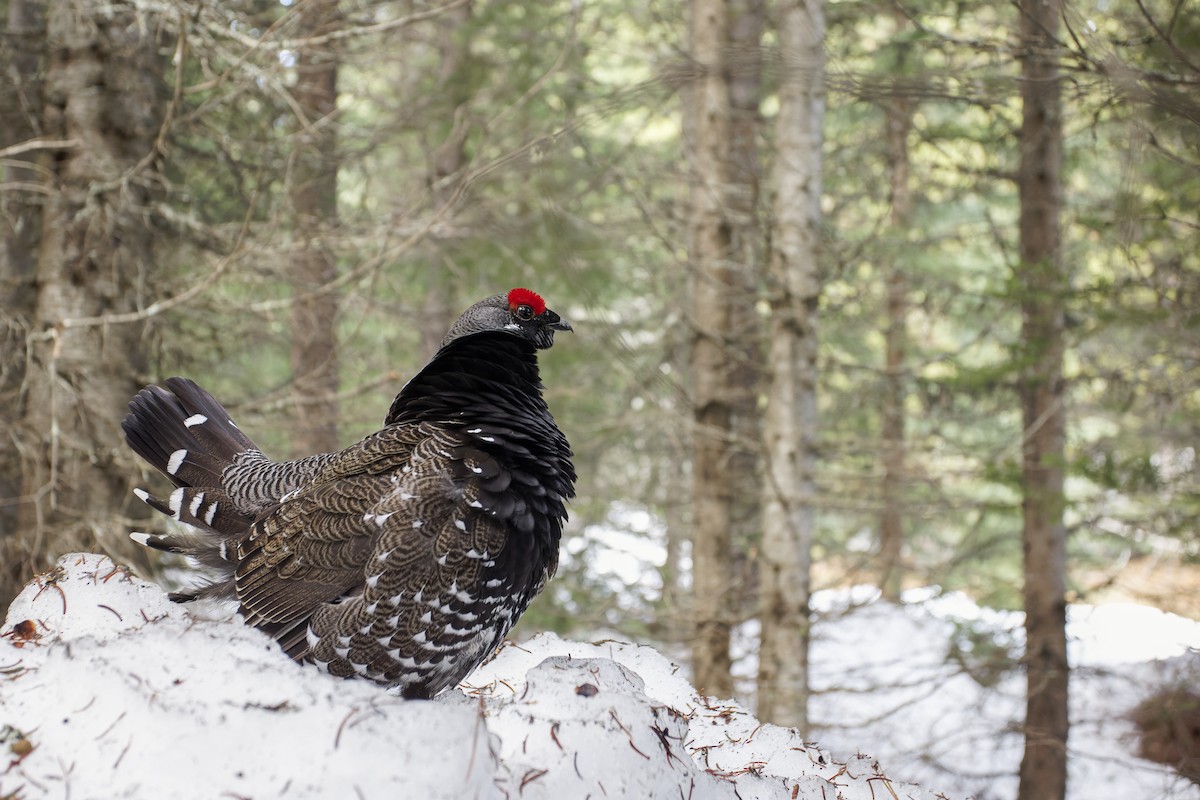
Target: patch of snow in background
(1126, 633)
(625, 551)
(882, 680)
(884, 683)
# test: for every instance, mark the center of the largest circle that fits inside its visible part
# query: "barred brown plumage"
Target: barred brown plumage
(406, 557)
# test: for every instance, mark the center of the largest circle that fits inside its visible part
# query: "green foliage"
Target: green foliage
(568, 179)
(1131, 236)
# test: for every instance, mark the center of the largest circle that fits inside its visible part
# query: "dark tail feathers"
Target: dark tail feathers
(184, 433)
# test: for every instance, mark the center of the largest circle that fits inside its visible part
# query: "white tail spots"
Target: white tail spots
(441, 560)
(195, 419)
(194, 508)
(379, 520)
(488, 438)
(141, 538)
(417, 523)
(211, 514)
(460, 524)
(142, 494)
(492, 584)
(477, 470)
(311, 637)
(175, 502)
(176, 461)
(475, 504)
(475, 430)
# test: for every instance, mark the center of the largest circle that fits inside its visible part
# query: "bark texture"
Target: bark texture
(104, 97)
(20, 224)
(790, 422)
(1043, 286)
(745, 338)
(314, 353)
(710, 248)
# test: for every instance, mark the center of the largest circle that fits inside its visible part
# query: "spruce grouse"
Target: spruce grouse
(406, 557)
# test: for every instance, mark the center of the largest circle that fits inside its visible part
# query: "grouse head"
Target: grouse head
(521, 312)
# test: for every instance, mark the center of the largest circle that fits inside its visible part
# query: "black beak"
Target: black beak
(556, 322)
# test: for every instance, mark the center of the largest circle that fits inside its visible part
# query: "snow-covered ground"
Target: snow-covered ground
(108, 690)
(883, 683)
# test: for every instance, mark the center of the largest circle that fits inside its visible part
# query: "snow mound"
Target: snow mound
(109, 690)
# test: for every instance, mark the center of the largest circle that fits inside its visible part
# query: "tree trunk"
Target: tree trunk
(891, 520)
(20, 219)
(104, 95)
(710, 249)
(790, 423)
(744, 76)
(1043, 291)
(445, 166)
(314, 354)
(674, 615)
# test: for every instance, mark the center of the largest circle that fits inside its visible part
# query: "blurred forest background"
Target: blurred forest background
(905, 294)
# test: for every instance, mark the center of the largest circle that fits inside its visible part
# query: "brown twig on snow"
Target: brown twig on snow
(531, 776)
(338, 738)
(116, 613)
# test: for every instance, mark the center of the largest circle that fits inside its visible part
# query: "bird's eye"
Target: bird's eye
(524, 312)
